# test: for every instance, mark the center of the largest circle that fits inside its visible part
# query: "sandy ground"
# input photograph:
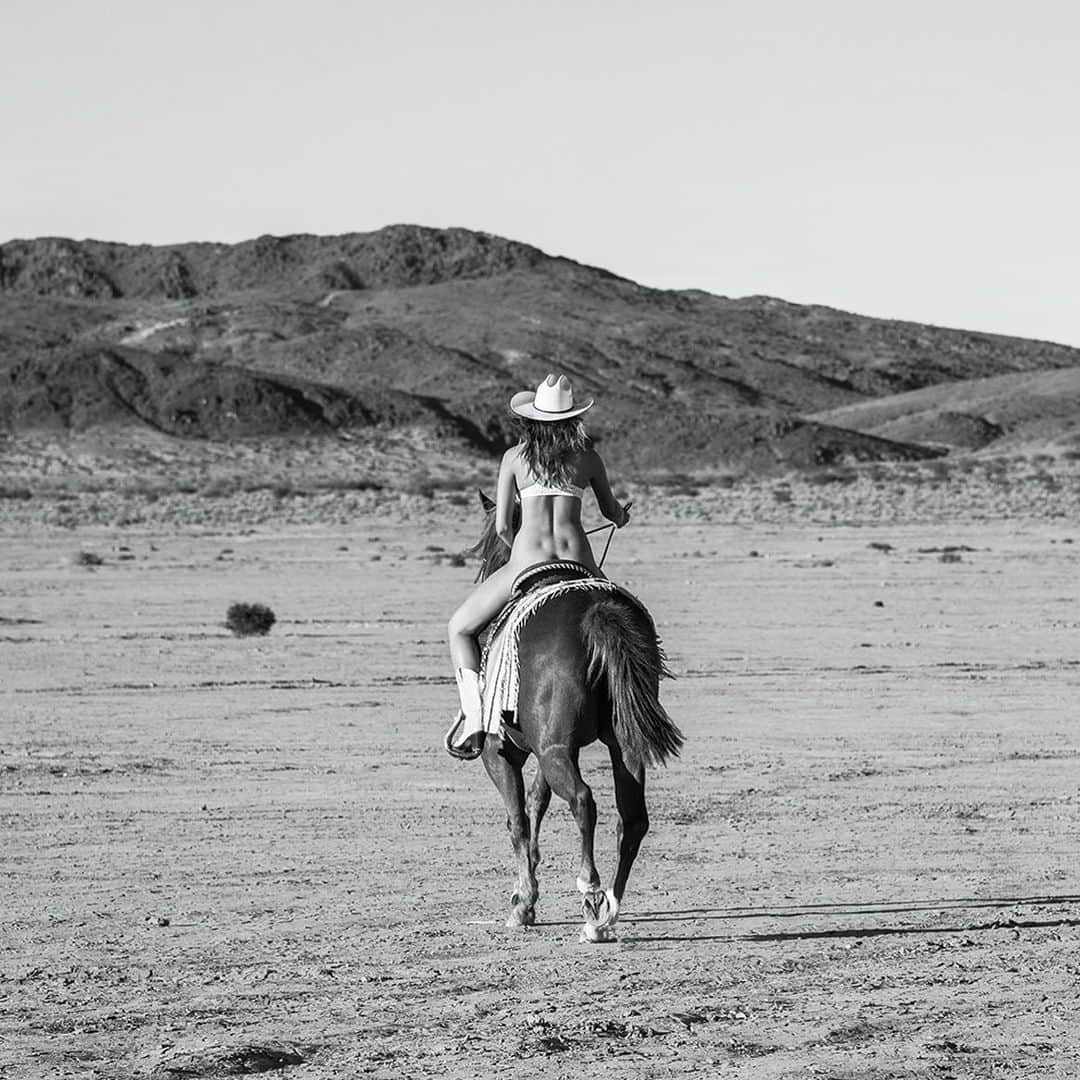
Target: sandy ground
(226, 854)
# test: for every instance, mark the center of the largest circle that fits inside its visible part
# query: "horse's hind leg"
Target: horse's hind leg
(633, 819)
(536, 806)
(508, 779)
(601, 908)
(560, 768)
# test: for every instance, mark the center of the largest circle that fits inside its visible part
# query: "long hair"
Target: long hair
(549, 447)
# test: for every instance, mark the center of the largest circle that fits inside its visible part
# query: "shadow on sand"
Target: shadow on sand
(711, 916)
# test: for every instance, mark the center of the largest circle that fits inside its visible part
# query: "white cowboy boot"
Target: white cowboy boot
(465, 739)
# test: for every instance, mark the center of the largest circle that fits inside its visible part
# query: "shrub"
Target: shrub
(89, 558)
(221, 488)
(245, 620)
(427, 485)
(346, 483)
(832, 476)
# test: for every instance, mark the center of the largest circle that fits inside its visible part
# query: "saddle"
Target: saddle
(499, 664)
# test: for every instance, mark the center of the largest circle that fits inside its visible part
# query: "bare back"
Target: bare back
(551, 526)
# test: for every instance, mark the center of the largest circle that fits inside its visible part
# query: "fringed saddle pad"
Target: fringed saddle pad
(499, 664)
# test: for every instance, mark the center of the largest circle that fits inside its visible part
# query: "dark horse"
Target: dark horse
(590, 668)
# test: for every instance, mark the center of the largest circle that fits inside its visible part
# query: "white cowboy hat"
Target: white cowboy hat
(553, 400)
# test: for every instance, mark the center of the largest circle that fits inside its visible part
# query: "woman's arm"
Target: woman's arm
(504, 498)
(609, 505)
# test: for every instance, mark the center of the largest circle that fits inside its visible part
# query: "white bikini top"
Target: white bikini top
(533, 490)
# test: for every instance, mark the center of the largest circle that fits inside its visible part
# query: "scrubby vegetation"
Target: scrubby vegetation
(246, 620)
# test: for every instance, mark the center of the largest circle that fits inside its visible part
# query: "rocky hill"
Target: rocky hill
(415, 328)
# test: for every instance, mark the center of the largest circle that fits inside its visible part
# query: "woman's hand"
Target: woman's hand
(625, 514)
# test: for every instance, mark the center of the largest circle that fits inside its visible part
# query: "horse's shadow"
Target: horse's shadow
(704, 920)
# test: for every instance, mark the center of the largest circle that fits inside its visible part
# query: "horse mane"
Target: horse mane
(489, 549)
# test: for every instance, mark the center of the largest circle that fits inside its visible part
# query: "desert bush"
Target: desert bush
(427, 485)
(423, 486)
(89, 558)
(8, 492)
(679, 483)
(950, 557)
(220, 488)
(346, 483)
(832, 476)
(675, 479)
(245, 620)
(782, 494)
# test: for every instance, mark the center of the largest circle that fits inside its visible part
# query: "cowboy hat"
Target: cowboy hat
(552, 400)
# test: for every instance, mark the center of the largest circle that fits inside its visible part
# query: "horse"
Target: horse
(590, 666)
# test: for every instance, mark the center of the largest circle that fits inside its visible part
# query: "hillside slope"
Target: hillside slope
(1026, 409)
(410, 326)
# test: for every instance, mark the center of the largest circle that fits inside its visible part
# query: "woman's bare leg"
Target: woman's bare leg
(466, 735)
(478, 609)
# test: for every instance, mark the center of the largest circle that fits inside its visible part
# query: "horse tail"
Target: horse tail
(622, 646)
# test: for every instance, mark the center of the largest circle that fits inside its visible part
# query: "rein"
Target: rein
(611, 532)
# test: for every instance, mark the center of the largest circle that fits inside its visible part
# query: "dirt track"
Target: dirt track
(864, 864)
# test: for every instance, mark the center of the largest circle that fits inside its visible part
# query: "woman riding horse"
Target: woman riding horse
(548, 471)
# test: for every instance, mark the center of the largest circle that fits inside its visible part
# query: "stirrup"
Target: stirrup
(470, 749)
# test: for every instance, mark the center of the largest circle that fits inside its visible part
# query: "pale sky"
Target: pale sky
(916, 160)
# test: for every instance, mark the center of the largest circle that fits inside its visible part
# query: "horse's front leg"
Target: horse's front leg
(504, 767)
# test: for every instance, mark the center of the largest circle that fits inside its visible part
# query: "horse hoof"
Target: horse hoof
(613, 906)
(597, 935)
(520, 918)
(596, 909)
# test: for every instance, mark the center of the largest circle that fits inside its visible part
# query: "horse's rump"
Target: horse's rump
(621, 652)
(500, 662)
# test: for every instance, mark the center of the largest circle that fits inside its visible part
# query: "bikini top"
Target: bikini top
(536, 489)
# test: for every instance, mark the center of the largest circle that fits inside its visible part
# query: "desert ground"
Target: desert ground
(226, 855)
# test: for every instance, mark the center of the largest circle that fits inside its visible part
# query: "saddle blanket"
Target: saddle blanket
(499, 663)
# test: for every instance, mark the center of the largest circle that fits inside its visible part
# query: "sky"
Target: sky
(917, 161)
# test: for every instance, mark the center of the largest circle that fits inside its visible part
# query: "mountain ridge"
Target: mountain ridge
(413, 326)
